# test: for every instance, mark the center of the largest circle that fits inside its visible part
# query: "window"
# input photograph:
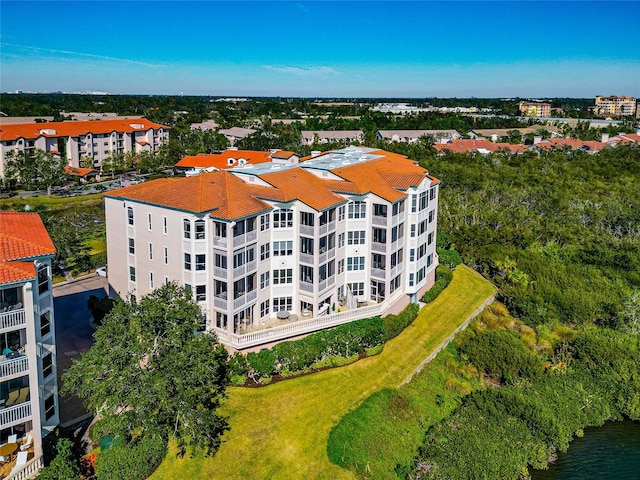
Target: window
(132, 274)
(432, 193)
(220, 261)
(264, 251)
(341, 211)
(45, 323)
(357, 288)
(355, 263)
(307, 218)
(220, 289)
(201, 262)
(150, 279)
(264, 308)
(412, 255)
(221, 230)
(264, 280)
(166, 255)
(244, 285)
(221, 320)
(43, 279)
(151, 251)
(327, 270)
(411, 279)
(395, 284)
(49, 406)
(377, 291)
(306, 245)
(397, 233)
(306, 274)
(423, 200)
(149, 221)
(340, 240)
(187, 261)
(164, 225)
(429, 259)
(413, 230)
(264, 222)
(201, 293)
(379, 210)
(421, 273)
(357, 210)
(130, 215)
(379, 235)
(282, 276)
(47, 365)
(282, 248)
(186, 228)
(282, 303)
(414, 203)
(430, 239)
(432, 216)
(356, 238)
(379, 261)
(199, 227)
(340, 266)
(282, 218)
(398, 208)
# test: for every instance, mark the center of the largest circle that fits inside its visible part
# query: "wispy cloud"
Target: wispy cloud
(80, 55)
(303, 71)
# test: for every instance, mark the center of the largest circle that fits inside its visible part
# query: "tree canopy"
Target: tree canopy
(149, 374)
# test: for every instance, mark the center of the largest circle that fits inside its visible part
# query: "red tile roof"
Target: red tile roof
(77, 171)
(461, 146)
(283, 154)
(22, 236)
(221, 160)
(74, 129)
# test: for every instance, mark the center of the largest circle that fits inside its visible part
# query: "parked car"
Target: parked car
(101, 271)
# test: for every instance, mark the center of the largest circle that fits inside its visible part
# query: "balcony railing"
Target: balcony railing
(378, 273)
(376, 220)
(28, 471)
(14, 414)
(219, 272)
(378, 247)
(306, 258)
(306, 286)
(12, 319)
(220, 241)
(14, 366)
(292, 329)
(307, 230)
(244, 299)
(220, 302)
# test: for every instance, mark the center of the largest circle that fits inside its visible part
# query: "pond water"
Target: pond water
(608, 452)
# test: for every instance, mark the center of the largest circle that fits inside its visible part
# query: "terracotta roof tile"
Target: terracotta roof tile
(297, 183)
(74, 129)
(221, 160)
(77, 171)
(11, 272)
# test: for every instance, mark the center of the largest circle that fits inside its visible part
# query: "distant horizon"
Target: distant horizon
(307, 49)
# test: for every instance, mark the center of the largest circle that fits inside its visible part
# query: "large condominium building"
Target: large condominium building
(619, 106)
(95, 139)
(28, 384)
(534, 109)
(274, 251)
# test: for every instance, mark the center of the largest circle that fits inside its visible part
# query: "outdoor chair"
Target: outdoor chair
(12, 438)
(27, 443)
(21, 461)
(13, 396)
(24, 395)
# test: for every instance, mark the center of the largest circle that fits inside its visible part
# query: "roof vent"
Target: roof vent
(242, 161)
(230, 161)
(47, 131)
(137, 126)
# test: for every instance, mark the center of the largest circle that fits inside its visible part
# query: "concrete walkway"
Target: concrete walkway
(74, 334)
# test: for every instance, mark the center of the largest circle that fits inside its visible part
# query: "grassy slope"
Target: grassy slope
(281, 431)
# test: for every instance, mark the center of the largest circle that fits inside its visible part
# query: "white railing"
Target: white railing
(219, 302)
(303, 327)
(324, 229)
(239, 271)
(306, 258)
(323, 257)
(219, 272)
(252, 265)
(397, 269)
(12, 319)
(332, 226)
(378, 247)
(239, 240)
(28, 471)
(14, 366)
(252, 235)
(305, 286)
(245, 298)
(220, 241)
(15, 413)
(376, 220)
(307, 230)
(378, 273)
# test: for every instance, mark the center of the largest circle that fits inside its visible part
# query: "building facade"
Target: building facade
(28, 383)
(93, 140)
(534, 109)
(275, 251)
(618, 106)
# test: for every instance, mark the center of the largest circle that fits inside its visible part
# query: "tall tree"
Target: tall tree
(35, 168)
(150, 374)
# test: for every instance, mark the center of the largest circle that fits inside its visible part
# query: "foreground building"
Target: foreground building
(93, 139)
(273, 250)
(28, 383)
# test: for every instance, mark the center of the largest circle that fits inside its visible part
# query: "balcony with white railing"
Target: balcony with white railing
(220, 241)
(306, 286)
(306, 258)
(378, 247)
(307, 230)
(244, 299)
(220, 302)
(219, 272)
(380, 221)
(378, 272)
(11, 319)
(14, 366)
(15, 414)
(28, 470)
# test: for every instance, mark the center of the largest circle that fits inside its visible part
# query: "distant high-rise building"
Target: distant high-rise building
(535, 109)
(618, 106)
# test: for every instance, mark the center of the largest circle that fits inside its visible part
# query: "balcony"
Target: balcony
(15, 414)
(244, 238)
(306, 258)
(220, 241)
(377, 220)
(220, 302)
(378, 247)
(307, 230)
(14, 366)
(378, 273)
(9, 471)
(245, 299)
(306, 286)
(219, 272)
(13, 319)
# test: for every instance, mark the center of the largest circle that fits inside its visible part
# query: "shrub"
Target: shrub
(133, 461)
(444, 275)
(394, 324)
(450, 258)
(100, 307)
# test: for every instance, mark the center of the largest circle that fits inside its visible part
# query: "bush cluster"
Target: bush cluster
(133, 461)
(99, 307)
(444, 275)
(323, 348)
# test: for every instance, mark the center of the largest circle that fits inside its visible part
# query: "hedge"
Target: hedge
(323, 348)
(444, 275)
(133, 461)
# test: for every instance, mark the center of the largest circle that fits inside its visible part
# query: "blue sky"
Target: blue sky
(326, 49)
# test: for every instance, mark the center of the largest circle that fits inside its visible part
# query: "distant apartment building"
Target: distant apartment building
(94, 139)
(410, 136)
(28, 383)
(206, 125)
(234, 134)
(273, 250)
(615, 106)
(534, 109)
(348, 137)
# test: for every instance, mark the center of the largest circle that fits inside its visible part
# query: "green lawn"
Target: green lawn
(281, 431)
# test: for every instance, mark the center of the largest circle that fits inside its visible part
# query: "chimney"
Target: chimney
(605, 137)
(537, 139)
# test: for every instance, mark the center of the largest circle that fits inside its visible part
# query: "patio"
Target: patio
(7, 467)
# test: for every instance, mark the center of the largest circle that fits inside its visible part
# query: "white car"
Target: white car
(101, 272)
